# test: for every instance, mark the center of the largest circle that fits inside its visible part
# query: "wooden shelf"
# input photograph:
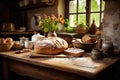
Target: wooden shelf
(35, 6)
(16, 35)
(14, 32)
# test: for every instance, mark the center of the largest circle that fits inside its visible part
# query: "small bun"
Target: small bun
(9, 40)
(2, 41)
(16, 43)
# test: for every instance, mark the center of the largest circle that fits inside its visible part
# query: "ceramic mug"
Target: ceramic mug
(29, 44)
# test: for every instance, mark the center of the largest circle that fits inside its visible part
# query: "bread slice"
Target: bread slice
(76, 52)
(88, 39)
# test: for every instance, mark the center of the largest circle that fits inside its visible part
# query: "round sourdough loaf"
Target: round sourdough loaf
(50, 45)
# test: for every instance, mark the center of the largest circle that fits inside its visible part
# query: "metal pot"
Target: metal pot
(108, 48)
(97, 54)
(8, 27)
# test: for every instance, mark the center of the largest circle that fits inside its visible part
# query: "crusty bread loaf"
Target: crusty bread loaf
(50, 45)
(74, 52)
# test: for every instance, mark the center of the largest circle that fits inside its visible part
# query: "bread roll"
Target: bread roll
(50, 45)
(9, 40)
(2, 41)
(16, 43)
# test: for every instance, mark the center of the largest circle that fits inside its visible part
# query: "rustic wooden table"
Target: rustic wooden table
(82, 68)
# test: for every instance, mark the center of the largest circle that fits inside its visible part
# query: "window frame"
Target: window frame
(88, 11)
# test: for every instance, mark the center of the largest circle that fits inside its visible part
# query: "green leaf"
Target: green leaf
(46, 30)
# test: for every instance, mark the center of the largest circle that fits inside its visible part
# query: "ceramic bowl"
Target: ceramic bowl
(86, 46)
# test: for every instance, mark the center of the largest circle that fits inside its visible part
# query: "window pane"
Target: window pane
(73, 20)
(103, 5)
(95, 5)
(82, 18)
(81, 5)
(102, 17)
(96, 17)
(73, 6)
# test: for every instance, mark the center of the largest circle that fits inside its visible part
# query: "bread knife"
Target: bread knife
(50, 56)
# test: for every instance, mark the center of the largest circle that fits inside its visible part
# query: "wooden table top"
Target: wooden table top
(83, 66)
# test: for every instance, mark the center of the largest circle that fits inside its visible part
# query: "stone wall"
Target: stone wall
(111, 23)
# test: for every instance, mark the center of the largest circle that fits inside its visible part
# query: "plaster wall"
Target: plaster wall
(111, 23)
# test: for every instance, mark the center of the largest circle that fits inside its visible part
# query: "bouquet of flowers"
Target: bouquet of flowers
(49, 23)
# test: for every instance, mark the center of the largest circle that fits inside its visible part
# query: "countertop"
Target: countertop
(83, 66)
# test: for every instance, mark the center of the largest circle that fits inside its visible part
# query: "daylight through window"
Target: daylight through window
(84, 11)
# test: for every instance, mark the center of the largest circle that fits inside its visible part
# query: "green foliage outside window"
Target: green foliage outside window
(80, 16)
(81, 6)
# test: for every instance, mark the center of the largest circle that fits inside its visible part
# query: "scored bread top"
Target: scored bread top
(53, 42)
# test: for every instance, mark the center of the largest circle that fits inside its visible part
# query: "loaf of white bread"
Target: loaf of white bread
(50, 45)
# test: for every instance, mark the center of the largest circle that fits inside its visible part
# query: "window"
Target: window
(85, 11)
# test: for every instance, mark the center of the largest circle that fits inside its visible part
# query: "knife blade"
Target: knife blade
(49, 56)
